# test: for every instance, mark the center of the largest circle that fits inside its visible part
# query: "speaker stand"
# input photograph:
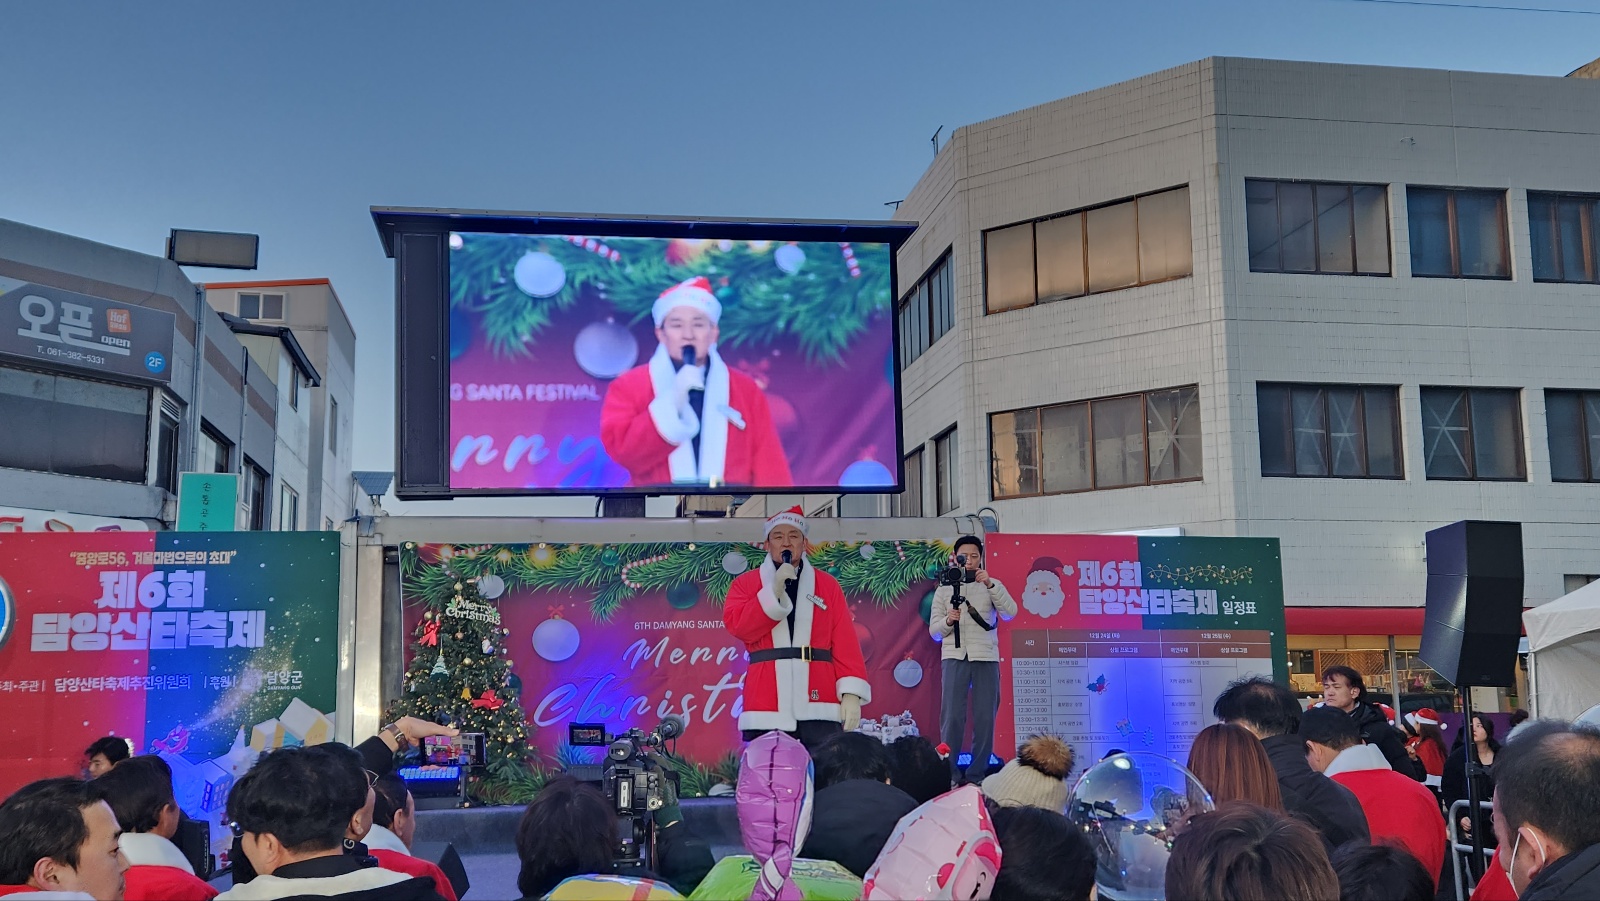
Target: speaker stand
(1470, 761)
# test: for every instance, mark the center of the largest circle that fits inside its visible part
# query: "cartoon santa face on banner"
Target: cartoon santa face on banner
(1043, 595)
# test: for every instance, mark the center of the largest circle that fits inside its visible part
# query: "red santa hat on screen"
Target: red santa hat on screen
(694, 293)
(794, 516)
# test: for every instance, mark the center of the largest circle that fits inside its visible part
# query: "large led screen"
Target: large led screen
(590, 364)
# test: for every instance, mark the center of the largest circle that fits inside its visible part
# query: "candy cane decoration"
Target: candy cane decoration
(595, 247)
(850, 259)
(645, 562)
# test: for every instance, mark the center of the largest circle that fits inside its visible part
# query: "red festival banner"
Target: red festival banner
(624, 634)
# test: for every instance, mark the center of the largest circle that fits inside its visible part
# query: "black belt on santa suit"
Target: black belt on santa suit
(819, 655)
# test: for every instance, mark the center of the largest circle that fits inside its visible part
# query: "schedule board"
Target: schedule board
(1124, 643)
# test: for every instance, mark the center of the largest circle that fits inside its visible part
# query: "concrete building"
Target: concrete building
(114, 378)
(273, 500)
(311, 310)
(1339, 305)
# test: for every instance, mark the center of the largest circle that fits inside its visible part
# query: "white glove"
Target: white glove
(786, 573)
(687, 379)
(850, 708)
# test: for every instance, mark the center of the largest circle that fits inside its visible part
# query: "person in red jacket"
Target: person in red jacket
(1398, 808)
(807, 676)
(393, 822)
(685, 418)
(1428, 746)
(139, 791)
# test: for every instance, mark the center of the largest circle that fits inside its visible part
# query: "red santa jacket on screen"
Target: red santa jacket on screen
(753, 454)
(780, 693)
(158, 871)
(1398, 808)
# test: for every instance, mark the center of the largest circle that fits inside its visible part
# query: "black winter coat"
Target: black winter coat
(1328, 806)
(851, 821)
(1575, 877)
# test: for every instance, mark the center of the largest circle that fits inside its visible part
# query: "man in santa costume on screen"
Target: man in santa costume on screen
(807, 676)
(685, 418)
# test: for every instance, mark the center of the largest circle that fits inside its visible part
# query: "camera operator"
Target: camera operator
(963, 619)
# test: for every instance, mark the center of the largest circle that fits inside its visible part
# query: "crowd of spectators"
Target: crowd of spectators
(1302, 805)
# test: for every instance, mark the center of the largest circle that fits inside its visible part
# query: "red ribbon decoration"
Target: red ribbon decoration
(430, 634)
(488, 701)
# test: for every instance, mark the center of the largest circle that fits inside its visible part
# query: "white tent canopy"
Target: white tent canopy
(1564, 653)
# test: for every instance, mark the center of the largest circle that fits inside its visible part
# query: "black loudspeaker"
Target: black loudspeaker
(194, 840)
(444, 856)
(1474, 617)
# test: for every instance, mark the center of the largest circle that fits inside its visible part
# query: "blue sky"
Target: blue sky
(121, 120)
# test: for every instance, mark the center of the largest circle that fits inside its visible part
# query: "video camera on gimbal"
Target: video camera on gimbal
(631, 777)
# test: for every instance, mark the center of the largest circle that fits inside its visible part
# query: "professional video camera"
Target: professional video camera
(632, 779)
(957, 574)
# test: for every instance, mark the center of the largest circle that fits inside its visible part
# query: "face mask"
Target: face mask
(1511, 870)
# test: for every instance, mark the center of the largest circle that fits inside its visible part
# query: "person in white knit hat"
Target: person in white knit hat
(1036, 778)
(684, 417)
(807, 675)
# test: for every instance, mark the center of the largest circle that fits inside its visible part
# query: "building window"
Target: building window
(255, 496)
(1317, 227)
(1114, 442)
(946, 472)
(215, 451)
(927, 311)
(327, 524)
(288, 509)
(1561, 228)
(167, 435)
(1133, 242)
(1458, 233)
(1573, 581)
(261, 306)
(909, 501)
(1329, 431)
(74, 427)
(294, 389)
(1573, 418)
(1472, 433)
(333, 425)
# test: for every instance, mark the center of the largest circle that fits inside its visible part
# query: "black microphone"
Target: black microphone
(788, 557)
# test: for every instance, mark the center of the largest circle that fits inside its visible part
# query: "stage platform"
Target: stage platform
(493, 830)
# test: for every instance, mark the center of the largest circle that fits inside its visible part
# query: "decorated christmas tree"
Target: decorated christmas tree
(459, 676)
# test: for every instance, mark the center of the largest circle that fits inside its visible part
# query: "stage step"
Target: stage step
(493, 830)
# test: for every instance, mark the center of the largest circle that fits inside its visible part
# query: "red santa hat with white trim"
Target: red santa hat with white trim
(794, 516)
(694, 293)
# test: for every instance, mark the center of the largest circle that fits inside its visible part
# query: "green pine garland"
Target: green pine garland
(821, 306)
(606, 570)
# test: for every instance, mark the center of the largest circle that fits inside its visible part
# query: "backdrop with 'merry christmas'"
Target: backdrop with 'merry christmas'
(626, 633)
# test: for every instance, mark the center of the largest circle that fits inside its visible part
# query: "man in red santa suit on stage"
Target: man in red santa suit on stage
(685, 418)
(807, 676)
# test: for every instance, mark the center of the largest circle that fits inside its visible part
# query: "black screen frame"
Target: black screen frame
(417, 240)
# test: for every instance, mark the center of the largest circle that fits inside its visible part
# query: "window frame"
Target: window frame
(950, 490)
(1083, 234)
(294, 388)
(919, 312)
(261, 306)
(912, 464)
(1327, 430)
(164, 468)
(224, 447)
(288, 508)
(333, 426)
(1090, 464)
(1589, 223)
(254, 494)
(1316, 228)
(1585, 430)
(148, 407)
(1471, 444)
(1453, 226)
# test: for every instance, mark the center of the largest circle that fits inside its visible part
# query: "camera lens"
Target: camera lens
(961, 559)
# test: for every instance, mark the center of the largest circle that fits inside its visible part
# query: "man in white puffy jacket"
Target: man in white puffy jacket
(971, 655)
